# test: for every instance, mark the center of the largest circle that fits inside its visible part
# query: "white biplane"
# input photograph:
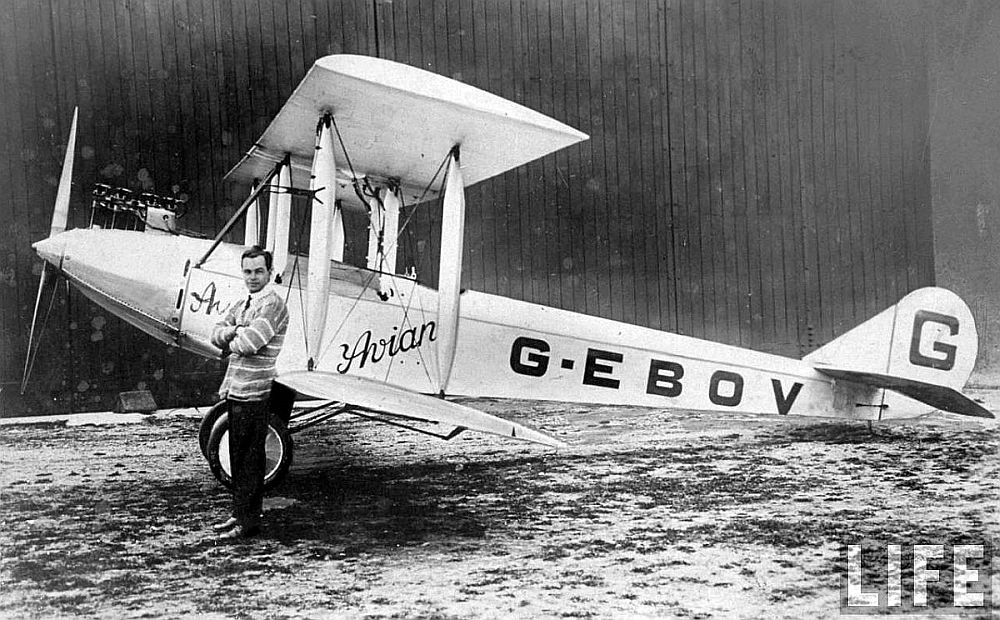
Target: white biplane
(373, 135)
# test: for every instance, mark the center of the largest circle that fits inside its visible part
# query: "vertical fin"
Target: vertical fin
(928, 338)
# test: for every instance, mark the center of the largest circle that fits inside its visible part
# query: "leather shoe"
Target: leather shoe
(239, 532)
(228, 524)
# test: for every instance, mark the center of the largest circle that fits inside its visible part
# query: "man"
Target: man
(252, 333)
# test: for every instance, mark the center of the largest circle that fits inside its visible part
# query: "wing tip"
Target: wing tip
(976, 410)
(548, 441)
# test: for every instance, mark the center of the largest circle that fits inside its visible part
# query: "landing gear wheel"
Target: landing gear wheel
(278, 449)
(207, 423)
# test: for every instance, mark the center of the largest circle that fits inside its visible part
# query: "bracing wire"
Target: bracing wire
(291, 280)
(406, 309)
(357, 299)
(406, 321)
(362, 189)
(420, 200)
(347, 156)
(359, 191)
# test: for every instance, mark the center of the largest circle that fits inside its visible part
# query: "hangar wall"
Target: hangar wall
(757, 171)
(965, 165)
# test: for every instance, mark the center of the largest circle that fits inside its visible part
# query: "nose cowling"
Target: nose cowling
(135, 276)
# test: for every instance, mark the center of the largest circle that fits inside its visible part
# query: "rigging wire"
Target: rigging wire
(364, 289)
(420, 200)
(406, 321)
(406, 309)
(347, 156)
(362, 191)
(363, 188)
(291, 280)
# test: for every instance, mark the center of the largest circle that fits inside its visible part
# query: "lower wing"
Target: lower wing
(375, 396)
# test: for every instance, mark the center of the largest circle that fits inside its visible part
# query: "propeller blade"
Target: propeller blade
(29, 359)
(61, 212)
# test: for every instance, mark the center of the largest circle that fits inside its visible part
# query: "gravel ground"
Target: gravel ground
(648, 513)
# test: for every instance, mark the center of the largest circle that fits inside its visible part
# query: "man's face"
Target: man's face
(255, 273)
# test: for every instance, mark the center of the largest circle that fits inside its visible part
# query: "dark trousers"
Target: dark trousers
(247, 432)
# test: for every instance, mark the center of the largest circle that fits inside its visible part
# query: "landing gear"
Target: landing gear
(213, 438)
(207, 423)
(278, 450)
(213, 434)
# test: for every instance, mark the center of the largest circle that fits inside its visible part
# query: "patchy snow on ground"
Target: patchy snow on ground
(647, 514)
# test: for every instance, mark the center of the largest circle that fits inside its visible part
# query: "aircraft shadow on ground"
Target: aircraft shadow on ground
(398, 505)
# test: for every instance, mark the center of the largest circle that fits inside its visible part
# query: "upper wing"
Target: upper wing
(393, 400)
(398, 122)
(939, 396)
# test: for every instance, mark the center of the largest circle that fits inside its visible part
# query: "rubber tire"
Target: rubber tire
(279, 450)
(280, 403)
(207, 423)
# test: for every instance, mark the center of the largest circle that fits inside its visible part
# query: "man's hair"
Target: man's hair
(256, 251)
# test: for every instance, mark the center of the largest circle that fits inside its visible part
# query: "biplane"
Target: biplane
(377, 137)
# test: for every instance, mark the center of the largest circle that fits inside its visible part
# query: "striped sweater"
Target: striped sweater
(254, 332)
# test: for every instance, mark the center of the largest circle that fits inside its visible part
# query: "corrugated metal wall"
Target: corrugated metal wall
(757, 171)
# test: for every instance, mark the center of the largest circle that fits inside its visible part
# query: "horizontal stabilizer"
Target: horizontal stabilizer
(393, 400)
(937, 396)
(398, 123)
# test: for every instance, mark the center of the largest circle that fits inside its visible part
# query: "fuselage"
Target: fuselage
(506, 348)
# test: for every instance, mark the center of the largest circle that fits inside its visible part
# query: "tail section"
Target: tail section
(923, 348)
